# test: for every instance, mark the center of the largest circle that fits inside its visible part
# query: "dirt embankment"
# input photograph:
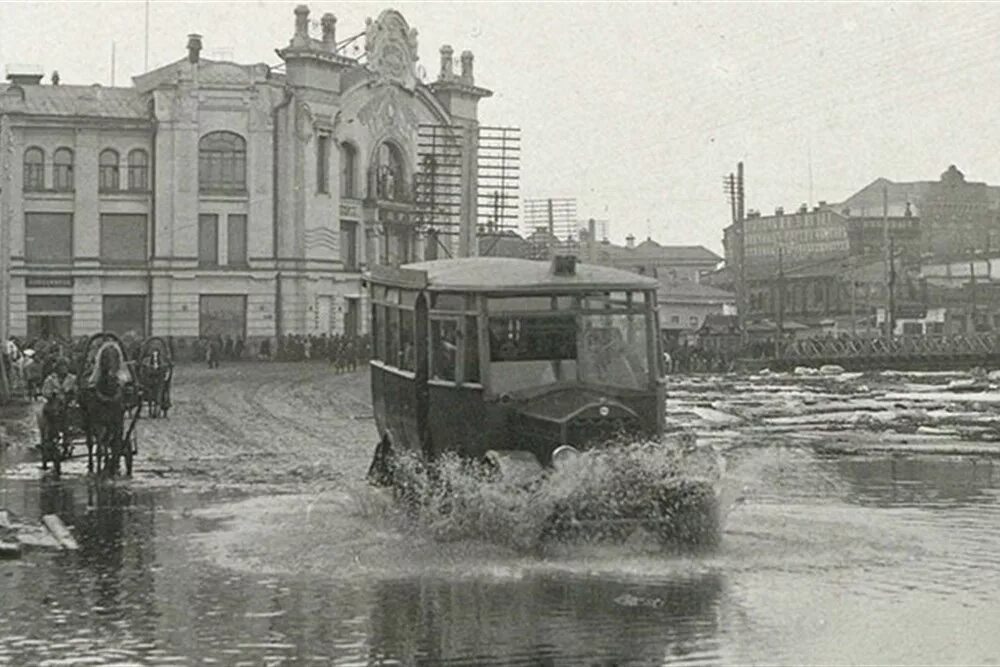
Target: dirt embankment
(261, 423)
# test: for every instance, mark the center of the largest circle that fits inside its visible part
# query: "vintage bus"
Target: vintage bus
(492, 355)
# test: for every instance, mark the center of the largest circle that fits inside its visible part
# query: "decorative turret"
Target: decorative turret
(447, 63)
(467, 78)
(301, 37)
(329, 24)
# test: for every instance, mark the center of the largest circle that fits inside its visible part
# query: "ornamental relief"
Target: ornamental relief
(391, 48)
(386, 110)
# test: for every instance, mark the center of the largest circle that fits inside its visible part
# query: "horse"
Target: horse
(105, 396)
(153, 374)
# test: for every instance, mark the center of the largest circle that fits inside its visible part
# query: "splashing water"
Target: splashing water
(611, 493)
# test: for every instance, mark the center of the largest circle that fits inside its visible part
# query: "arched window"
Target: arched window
(138, 170)
(222, 163)
(107, 167)
(348, 170)
(34, 169)
(389, 183)
(62, 169)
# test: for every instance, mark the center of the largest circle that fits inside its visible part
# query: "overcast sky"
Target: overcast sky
(637, 110)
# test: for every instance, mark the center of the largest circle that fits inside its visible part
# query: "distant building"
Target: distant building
(213, 197)
(925, 222)
(685, 305)
(669, 263)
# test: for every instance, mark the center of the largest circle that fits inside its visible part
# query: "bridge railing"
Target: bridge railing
(855, 347)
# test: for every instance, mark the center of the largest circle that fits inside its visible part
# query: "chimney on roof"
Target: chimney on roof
(447, 63)
(55, 78)
(803, 208)
(909, 211)
(467, 68)
(194, 48)
(629, 241)
(329, 23)
(301, 37)
(24, 75)
(822, 203)
(780, 210)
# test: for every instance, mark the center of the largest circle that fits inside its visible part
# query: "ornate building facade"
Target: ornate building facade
(213, 197)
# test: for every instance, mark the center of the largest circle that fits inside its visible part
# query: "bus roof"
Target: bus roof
(507, 274)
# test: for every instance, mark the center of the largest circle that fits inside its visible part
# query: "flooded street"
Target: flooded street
(863, 526)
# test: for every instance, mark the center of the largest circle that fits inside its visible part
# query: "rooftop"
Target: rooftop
(92, 101)
(506, 274)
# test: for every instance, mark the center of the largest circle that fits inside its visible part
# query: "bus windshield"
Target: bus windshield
(533, 351)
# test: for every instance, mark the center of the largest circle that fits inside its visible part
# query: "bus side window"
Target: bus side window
(407, 353)
(392, 351)
(471, 340)
(380, 327)
(444, 349)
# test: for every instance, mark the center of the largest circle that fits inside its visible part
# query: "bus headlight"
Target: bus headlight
(564, 454)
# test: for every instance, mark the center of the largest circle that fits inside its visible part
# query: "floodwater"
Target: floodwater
(826, 559)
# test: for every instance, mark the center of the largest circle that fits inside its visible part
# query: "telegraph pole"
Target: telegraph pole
(781, 303)
(888, 260)
(737, 203)
(892, 286)
(972, 290)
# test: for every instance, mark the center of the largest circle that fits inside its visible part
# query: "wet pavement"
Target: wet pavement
(854, 534)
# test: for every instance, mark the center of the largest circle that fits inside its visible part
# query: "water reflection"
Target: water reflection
(544, 620)
(903, 535)
(920, 481)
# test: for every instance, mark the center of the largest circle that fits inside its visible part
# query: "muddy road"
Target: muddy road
(262, 424)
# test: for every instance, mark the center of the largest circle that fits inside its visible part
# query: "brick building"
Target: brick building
(213, 197)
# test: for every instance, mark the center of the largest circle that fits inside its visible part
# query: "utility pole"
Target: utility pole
(781, 303)
(888, 260)
(854, 289)
(972, 291)
(892, 286)
(145, 54)
(736, 192)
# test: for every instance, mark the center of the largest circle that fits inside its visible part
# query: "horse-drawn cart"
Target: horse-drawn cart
(101, 413)
(155, 370)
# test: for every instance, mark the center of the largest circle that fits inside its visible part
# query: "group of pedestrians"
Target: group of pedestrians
(342, 351)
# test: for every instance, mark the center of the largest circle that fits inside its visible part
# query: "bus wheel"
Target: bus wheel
(381, 469)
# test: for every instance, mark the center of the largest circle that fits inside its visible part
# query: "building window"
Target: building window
(48, 238)
(123, 238)
(34, 169)
(62, 169)
(389, 174)
(107, 163)
(208, 240)
(49, 316)
(222, 315)
(693, 321)
(349, 245)
(236, 240)
(222, 163)
(125, 315)
(138, 170)
(323, 163)
(348, 171)
(352, 316)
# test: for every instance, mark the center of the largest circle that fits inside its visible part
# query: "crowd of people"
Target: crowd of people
(342, 351)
